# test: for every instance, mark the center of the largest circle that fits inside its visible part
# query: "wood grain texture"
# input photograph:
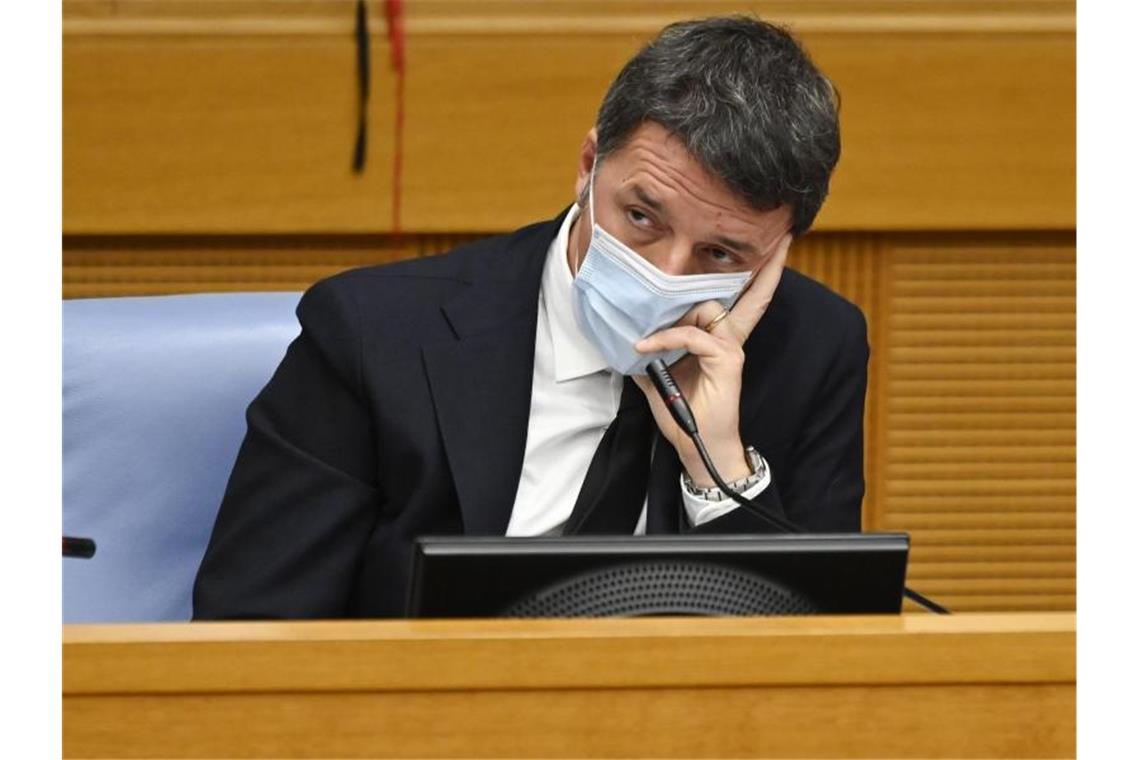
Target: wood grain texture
(202, 133)
(239, 116)
(989, 722)
(441, 654)
(697, 688)
(101, 266)
(980, 420)
(581, 16)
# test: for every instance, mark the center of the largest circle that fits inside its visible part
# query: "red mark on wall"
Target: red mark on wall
(394, 14)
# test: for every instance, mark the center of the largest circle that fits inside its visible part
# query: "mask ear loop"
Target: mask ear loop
(743, 290)
(593, 219)
(590, 203)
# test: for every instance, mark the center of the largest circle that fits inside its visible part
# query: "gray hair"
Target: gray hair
(746, 101)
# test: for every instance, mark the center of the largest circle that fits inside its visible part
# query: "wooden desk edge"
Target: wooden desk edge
(538, 654)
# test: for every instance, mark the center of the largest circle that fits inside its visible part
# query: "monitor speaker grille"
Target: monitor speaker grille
(663, 588)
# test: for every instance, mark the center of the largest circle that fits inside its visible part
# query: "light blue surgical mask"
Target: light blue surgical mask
(620, 298)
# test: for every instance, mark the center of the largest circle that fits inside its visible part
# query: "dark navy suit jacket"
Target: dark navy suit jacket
(401, 410)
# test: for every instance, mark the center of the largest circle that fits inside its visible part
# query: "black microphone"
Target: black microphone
(84, 548)
(683, 415)
(671, 395)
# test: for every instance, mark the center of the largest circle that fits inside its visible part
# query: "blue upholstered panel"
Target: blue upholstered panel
(154, 398)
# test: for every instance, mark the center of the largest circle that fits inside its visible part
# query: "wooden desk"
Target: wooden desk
(972, 685)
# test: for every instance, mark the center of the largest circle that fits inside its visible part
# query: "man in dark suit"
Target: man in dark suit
(499, 389)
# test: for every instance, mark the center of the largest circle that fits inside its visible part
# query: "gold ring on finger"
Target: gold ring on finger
(719, 318)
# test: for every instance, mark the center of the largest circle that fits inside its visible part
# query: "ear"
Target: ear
(586, 157)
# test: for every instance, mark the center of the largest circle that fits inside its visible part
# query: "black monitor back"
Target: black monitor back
(599, 576)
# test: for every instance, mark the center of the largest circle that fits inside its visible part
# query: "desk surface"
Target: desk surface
(971, 685)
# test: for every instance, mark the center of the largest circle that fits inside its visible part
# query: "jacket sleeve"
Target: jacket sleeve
(302, 497)
(821, 487)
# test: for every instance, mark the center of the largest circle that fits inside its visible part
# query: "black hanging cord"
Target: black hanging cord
(364, 78)
(679, 408)
(787, 526)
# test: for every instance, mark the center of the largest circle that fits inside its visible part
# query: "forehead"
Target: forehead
(656, 163)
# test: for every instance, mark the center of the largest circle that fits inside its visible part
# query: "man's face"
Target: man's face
(657, 199)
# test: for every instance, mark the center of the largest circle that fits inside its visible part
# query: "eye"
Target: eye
(721, 256)
(639, 217)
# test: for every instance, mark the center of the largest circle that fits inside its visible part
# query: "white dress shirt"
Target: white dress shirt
(574, 398)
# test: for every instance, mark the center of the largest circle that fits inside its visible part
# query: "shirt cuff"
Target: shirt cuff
(700, 511)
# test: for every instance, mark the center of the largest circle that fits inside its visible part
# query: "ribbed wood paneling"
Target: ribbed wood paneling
(126, 266)
(979, 419)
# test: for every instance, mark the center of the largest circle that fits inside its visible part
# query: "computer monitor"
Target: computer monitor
(606, 576)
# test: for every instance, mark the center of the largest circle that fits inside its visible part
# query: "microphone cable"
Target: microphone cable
(679, 408)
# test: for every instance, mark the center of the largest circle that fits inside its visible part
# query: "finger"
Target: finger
(690, 338)
(701, 315)
(721, 326)
(752, 304)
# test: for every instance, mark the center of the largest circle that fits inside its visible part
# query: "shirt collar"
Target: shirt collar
(574, 354)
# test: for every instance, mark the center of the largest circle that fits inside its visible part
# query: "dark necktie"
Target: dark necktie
(614, 490)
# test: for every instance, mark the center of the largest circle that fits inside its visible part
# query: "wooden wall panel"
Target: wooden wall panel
(197, 133)
(96, 267)
(184, 116)
(979, 414)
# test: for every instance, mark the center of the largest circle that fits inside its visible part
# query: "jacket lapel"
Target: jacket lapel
(481, 382)
(663, 513)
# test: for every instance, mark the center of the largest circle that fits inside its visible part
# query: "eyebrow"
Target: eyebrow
(647, 199)
(736, 245)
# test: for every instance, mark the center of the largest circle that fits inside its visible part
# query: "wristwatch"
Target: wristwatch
(755, 463)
